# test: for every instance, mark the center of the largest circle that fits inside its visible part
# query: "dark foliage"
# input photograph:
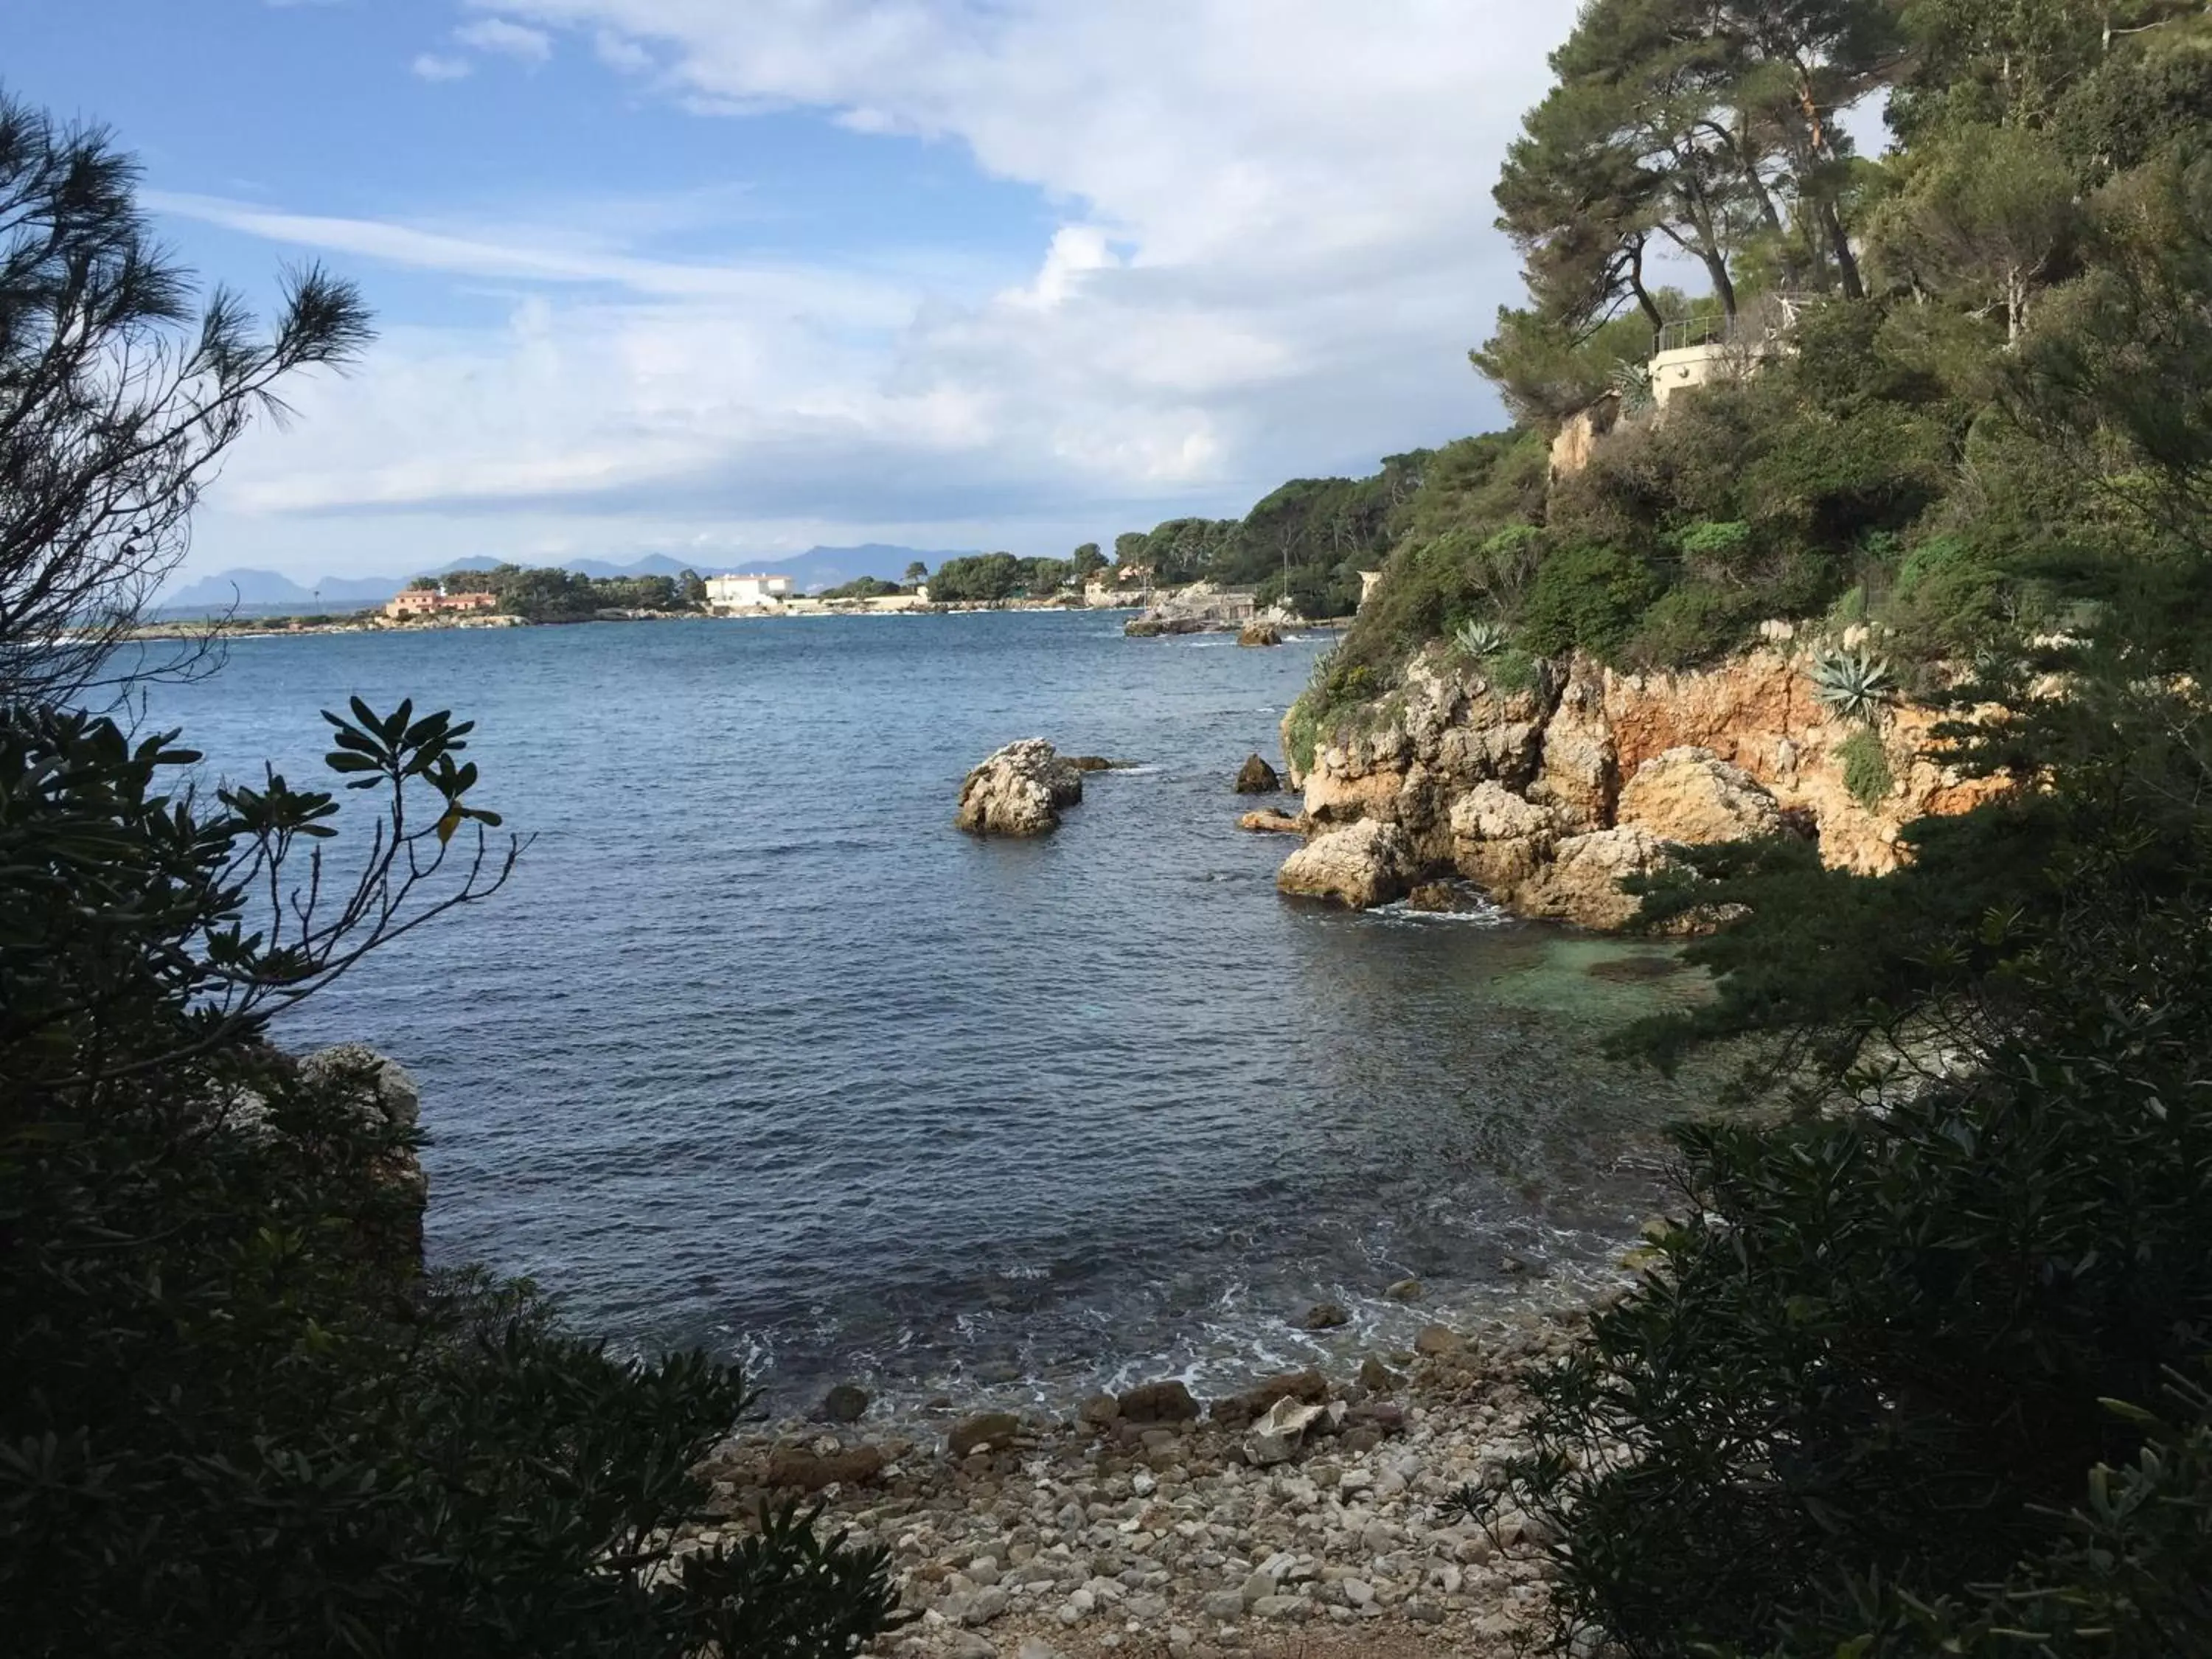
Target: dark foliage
(119, 396)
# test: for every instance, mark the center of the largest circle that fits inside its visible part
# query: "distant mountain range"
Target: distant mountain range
(267, 591)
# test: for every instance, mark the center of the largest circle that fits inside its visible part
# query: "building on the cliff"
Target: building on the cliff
(1694, 351)
(748, 592)
(435, 601)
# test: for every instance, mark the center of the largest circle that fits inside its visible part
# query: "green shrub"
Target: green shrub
(1693, 623)
(1586, 595)
(1709, 547)
(1866, 773)
(1853, 684)
(1874, 1362)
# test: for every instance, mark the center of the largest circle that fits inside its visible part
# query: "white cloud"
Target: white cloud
(508, 39)
(1274, 248)
(621, 53)
(437, 66)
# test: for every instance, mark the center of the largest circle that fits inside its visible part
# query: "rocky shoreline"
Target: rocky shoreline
(1547, 785)
(1145, 1523)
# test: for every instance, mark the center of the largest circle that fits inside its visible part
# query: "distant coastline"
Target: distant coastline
(376, 622)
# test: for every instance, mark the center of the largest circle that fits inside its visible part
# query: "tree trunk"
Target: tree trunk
(1643, 293)
(1840, 242)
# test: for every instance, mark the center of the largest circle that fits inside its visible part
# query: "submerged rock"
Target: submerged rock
(1326, 1316)
(1256, 777)
(846, 1403)
(1269, 822)
(1446, 898)
(1362, 865)
(1018, 790)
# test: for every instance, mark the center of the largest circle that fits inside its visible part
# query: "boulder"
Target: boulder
(1498, 839)
(803, 1469)
(1307, 1386)
(1158, 1403)
(1018, 791)
(1101, 1410)
(1439, 1342)
(1259, 632)
(846, 1403)
(1326, 1316)
(1404, 1290)
(1376, 1377)
(1269, 822)
(1692, 796)
(984, 1429)
(1582, 883)
(1274, 1438)
(1096, 763)
(1256, 777)
(1364, 864)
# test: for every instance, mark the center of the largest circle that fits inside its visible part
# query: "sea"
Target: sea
(755, 1051)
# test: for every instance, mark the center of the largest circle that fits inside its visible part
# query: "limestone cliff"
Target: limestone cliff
(1547, 788)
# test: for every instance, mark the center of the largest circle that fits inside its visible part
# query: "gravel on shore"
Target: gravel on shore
(1147, 1525)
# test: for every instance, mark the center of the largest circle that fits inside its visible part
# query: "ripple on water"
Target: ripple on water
(758, 1052)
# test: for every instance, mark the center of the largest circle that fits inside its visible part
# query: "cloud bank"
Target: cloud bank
(1273, 248)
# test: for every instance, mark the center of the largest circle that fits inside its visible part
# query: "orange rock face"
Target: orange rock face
(1679, 757)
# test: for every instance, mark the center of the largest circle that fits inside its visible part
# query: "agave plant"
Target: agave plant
(1479, 640)
(1853, 684)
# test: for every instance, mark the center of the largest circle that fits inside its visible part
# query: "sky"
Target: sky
(726, 279)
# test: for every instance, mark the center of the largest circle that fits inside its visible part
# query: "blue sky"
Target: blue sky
(726, 278)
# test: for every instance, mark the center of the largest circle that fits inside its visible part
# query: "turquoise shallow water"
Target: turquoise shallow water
(757, 1051)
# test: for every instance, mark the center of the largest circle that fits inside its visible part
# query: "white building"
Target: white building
(759, 592)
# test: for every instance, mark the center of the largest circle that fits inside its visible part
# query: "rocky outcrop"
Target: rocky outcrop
(1362, 865)
(1581, 881)
(1201, 608)
(1547, 787)
(1269, 822)
(1256, 777)
(1692, 796)
(1018, 791)
(1259, 632)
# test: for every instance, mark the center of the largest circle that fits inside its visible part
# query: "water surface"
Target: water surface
(757, 1051)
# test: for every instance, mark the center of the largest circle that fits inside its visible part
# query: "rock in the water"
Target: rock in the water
(1101, 1410)
(1445, 898)
(1259, 632)
(1326, 1316)
(846, 1403)
(1158, 1403)
(1256, 777)
(1582, 884)
(1498, 838)
(984, 1429)
(1269, 822)
(1096, 763)
(1692, 796)
(1404, 1290)
(1018, 791)
(1438, 1341)
(1362, 865)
